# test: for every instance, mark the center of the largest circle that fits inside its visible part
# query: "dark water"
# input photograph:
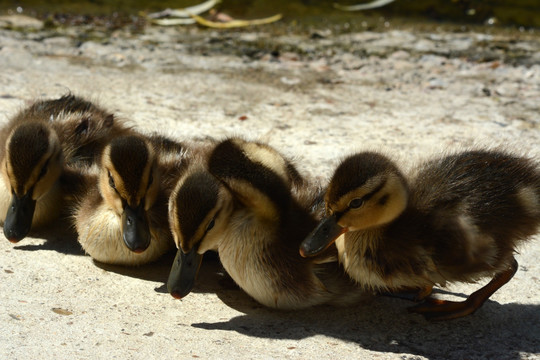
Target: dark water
(514, 13)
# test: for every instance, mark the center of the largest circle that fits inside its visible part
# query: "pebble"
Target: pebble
(20, 21)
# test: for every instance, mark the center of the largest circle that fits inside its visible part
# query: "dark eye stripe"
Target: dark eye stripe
(201, 189)
(211, 225)
(43, 169)
(111, 181)
(374, 191)
(150, 180)
(212, 222)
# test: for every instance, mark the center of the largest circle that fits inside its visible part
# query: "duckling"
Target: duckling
(121, 216)
(460, 218)
(251, 206)
(39, 141)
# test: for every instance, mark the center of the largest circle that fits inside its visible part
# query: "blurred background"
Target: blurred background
(520, 14)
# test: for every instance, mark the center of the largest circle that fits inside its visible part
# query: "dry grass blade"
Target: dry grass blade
(359, 7)
(236, 23)
(183, 15)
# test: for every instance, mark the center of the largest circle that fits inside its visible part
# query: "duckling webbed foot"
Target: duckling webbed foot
(437, 309)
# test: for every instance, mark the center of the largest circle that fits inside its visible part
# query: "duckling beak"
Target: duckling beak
(183, 273)
(19, 217)
(135, 228)
(322, 237)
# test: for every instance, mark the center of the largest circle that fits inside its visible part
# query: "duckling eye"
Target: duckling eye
(111, 182)
(211, 224)
(356, 203)
(43, 170)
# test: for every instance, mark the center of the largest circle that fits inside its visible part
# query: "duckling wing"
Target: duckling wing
(478, 204)
(255, 185)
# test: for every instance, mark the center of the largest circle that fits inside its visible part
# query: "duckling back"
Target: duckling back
(481, 205)
(259, 247)
(83, 128)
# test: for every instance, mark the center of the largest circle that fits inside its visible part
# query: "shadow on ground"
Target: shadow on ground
(61, 239)
(383, 324)
(379, 323)
(210, 277)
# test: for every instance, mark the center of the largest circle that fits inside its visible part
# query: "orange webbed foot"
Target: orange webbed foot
(437, 309)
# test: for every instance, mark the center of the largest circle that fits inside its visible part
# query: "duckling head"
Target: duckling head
(84, 124)
(199, 209)
(31, 166)
(129, 183)
(366, 191)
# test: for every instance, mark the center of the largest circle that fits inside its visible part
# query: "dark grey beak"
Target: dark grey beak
(19, 217)
(322, 237)
(135, 228)
(183, 273)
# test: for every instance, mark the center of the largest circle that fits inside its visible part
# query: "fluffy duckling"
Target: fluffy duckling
(38, 142)
(252, 207)
(121, 216)
(459, 219)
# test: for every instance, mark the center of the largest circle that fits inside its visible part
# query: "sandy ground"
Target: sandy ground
(316, 98)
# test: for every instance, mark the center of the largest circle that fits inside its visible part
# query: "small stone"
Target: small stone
(289, 81)
(60, 311)
(20, 21)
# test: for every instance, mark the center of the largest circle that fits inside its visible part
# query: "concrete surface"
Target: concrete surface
(410, 93)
